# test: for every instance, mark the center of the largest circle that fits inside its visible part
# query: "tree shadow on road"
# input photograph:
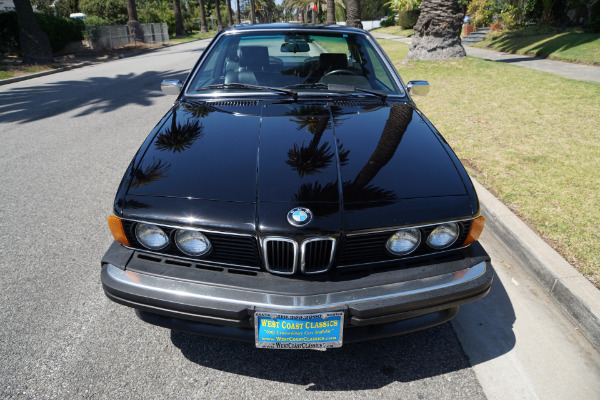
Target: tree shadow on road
(360, 366)
(91, 95)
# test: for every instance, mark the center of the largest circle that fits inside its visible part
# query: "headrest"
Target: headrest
(254, 56)
(332, 61)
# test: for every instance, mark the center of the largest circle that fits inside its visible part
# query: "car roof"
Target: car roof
(294, 27)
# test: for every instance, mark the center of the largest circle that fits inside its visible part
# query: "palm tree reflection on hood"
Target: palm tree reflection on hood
(151, 173)
(314, 158)
(180, 137)
(359, 193)
(359, 189)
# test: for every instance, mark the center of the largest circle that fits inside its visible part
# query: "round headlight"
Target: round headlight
(443, 236)
(404, 241)
(151, 236)
(192, 243)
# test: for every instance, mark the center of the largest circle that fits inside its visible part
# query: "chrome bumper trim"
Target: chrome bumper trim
(200, 291)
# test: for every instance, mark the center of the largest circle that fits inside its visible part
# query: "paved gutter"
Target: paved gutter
(574, 295)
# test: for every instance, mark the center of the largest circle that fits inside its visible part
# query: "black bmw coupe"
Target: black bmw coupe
(295, 197)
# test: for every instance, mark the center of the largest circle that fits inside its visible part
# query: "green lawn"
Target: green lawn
(531, 137)
(395, 30)
(193, 36)
(572, 46)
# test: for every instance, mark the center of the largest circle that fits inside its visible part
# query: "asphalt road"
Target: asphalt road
(65, 141)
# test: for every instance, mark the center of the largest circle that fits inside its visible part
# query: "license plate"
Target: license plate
(283, 331)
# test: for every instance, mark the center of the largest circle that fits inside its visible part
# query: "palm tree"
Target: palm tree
(353, 14)
(229, 13)
(35, 45)
(330, 12)
(218, 12)
(237, 13)
(135, 29)
(179, 28)
(252, 14)
(203, 26)
(437, 32)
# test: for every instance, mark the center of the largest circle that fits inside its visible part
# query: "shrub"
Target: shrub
(389, 21)
(60, 31)
(113, 11)
(482, 12)
(408, 19)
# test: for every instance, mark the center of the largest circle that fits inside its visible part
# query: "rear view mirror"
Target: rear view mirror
(295, 47)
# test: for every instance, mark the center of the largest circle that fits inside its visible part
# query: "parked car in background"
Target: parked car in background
(295, 197)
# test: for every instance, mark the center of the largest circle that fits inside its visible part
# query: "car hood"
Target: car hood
(355, 164)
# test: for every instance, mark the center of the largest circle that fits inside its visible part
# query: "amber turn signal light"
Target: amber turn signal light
(476, 229)
(116, 228)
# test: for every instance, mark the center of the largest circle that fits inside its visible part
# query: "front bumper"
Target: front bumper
(222, 303)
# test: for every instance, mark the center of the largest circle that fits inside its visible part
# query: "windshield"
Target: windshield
(315, 62)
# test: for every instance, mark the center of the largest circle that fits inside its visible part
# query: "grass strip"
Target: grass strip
(531, 137)
(572, 46)
(193, 36)
(395, 30)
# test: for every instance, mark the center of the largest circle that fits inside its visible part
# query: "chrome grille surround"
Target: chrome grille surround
(318, 253)
(275, 257)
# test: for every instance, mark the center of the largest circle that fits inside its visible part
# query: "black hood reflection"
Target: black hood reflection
(337, 158)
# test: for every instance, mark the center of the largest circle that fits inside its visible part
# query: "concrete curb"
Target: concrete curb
(43, 73)
(577, 297)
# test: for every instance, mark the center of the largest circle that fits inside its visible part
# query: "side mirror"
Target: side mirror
(171, 86)
(418, 88)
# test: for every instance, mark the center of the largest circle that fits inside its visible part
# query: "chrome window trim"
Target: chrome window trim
(303, 254)
(267, 239)
(156, 286)
(384, 58)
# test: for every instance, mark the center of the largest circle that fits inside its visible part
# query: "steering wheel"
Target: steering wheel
(341, 72)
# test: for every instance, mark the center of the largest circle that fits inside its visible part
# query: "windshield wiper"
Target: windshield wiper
(248, 86)
(338, 88)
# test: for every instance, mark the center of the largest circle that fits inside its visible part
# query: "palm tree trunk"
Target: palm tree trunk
(437, 32)
(179, 28)
(353, 14)
(229, 13)
(252, 14)
(203, 26)
(218, 12)
(330, 12)
(237, 13)
(135, 29)
(35, 45)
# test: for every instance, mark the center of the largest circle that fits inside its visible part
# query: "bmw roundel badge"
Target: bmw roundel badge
(299, 216)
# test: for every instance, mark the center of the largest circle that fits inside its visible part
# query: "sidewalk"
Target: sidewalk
(568, 70)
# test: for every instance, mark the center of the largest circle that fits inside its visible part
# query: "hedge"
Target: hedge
(60, 31)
